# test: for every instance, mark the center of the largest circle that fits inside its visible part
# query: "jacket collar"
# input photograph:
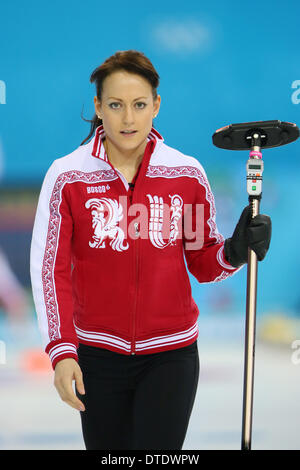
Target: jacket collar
(98, 149)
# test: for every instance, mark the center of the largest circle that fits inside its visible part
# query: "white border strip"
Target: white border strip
(167, 340)
(158, 341)
(104, 338)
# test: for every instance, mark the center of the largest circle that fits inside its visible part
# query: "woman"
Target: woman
(111, 290)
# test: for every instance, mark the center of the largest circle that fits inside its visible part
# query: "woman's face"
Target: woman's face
(127, 104)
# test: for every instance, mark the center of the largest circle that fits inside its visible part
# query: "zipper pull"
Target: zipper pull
(136, 226)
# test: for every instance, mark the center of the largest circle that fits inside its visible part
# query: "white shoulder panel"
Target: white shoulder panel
(169, 156)
(80, 160)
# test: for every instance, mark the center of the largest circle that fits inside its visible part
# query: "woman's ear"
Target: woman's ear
(157, 105)
(97, 106)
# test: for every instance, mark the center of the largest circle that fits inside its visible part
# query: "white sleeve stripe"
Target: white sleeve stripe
(38, 251)
(203, 180)
(52, 244)
(62, 349)
(60, 354)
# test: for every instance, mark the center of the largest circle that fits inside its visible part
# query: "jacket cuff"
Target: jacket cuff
(59, 350)
(222, 260)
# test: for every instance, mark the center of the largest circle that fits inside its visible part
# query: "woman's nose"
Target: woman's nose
(128, 115)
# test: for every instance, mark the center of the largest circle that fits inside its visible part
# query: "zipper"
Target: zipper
(118, 176)
(137, 233)
(136, 254)
(135, 299)
(136, 243)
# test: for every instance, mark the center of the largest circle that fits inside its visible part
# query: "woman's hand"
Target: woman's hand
(66, 371)
(254, 233)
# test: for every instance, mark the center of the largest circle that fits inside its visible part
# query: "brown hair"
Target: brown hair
(132, 61)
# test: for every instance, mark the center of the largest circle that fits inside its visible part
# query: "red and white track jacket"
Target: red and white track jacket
(107, 263)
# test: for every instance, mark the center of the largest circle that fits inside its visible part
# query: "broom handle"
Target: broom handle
(250, 340)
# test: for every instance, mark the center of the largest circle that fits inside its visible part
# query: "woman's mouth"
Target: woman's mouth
(128, 133)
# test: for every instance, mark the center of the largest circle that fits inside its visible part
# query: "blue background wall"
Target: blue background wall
(219, 63)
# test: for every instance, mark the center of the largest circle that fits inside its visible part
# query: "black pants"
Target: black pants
(137, 402)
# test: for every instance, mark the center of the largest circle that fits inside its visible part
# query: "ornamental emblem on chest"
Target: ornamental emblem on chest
(157, 217)
(106, 227)
(107, 213)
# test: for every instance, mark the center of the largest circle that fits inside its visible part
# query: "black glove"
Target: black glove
(254, 233)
